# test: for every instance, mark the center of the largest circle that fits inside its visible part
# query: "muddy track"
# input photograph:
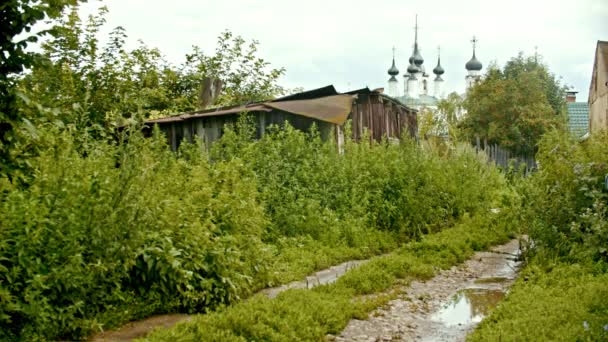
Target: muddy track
(138, 329)
(415, 315)
(446, 307)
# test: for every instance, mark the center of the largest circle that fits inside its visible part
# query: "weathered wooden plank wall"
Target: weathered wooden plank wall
(211, 128)
(381, 116)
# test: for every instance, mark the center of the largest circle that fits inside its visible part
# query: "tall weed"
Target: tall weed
(108, 231)
(127, 228)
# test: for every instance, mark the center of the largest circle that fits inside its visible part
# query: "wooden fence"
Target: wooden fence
(505, 159)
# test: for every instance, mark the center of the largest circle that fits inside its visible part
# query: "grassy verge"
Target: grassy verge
(565, 302)
(311, 314)
(295, 258)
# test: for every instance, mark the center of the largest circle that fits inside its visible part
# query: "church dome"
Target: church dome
(393, 71)
(417, 57)
(438, 69)
(473, 64)
(412, 68)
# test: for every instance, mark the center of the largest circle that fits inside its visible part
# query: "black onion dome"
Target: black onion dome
(393, 71)
(473, 64)
(412, 68)
(438, 69)
(418, 60)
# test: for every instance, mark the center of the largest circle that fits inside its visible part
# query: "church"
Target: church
(417, 82)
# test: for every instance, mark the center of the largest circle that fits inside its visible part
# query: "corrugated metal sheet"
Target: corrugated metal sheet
(332, 109)
(219, 111)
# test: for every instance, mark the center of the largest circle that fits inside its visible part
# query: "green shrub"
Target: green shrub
(308, 315)
(563, 302)
(310, 189)
(104, 232)
(108, 228)
(566, 199)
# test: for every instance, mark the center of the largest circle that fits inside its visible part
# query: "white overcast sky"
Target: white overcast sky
(348, 43)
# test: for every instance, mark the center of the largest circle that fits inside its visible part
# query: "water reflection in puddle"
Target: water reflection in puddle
(468, 306)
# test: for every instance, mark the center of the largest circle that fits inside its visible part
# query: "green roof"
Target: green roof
(578, 118)
(423, 100)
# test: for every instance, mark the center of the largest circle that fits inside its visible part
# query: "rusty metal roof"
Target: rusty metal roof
(218, 111)
(236, 110)
(324, 104)
(334, 109)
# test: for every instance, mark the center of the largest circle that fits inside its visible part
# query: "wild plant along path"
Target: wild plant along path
(446, 307)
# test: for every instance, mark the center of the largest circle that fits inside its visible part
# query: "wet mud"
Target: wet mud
(446, 307)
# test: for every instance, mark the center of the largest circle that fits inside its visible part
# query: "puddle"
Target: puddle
(446, 307)
(468, 306)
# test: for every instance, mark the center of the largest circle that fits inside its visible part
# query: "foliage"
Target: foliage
(565, 302)
(561, 294)
(451, 109)
(511, 107)
(309, 315)
(246, 76)
(396, 188)
(154, 232)
(110, 83)
(554, 91)
(567, 198)
(441, 122)
(18, 19)
(114, 232)
(431, 123)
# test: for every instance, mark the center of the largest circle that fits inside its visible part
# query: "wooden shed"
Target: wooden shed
(381, 115)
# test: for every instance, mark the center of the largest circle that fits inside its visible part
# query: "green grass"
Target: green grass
(491, 280)
(309, 315)
(298, 257)
(551, 304)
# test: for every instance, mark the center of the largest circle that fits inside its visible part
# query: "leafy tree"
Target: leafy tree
(443, 120)
(511, 107)
(102, 82)
(18, 19)
(247, 78)
(451, 111)
(108, 84)
(554, 91)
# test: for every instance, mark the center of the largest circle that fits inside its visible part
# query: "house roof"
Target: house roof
(422, 100)
(324, 104)
(578, 117)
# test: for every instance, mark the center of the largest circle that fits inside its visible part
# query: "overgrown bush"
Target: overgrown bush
(310, 189)
(104, 232)
(121, 231)
(566, 200)
(309, 315)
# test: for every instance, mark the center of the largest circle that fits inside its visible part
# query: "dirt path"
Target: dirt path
(133, 330)
(446, 307)
(138, 329)
(427, 311)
